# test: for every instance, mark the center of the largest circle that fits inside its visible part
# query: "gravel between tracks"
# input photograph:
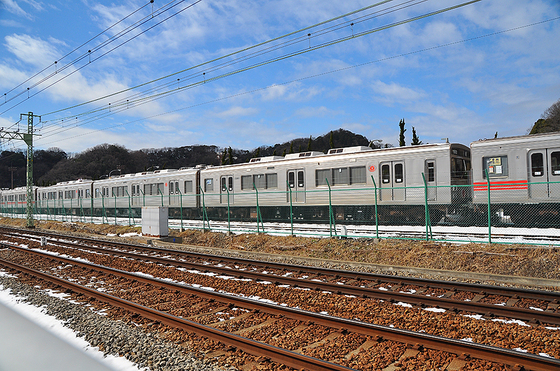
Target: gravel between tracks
(354, 254)
(513, 260)
(113, 337)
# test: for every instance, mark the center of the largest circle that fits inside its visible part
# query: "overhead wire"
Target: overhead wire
(320, 74)
(131, 99)
(105, 43)
(216, 59)
(70, 52)
(275, 59)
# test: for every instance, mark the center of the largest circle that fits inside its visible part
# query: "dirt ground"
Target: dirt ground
(515, 260)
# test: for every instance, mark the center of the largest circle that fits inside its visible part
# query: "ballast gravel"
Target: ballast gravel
(144, 349)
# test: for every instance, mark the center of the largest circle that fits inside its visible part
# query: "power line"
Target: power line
(98, 47)
(304, 50)
(217, 59)
(314, 76)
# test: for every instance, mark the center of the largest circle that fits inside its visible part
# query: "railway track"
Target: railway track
(335, 328)
(335, 281)
(491, 301)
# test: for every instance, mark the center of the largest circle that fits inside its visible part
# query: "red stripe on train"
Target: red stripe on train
(501, 186)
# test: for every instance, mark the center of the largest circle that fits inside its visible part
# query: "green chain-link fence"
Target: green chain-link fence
(449, 213)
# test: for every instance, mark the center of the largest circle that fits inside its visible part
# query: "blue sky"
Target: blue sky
(213, 73)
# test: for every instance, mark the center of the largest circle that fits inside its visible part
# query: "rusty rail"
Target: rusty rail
(458, 347)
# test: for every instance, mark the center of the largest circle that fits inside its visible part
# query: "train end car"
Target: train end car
(521, 176)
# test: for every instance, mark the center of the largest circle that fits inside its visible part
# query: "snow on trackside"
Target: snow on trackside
(38, 316)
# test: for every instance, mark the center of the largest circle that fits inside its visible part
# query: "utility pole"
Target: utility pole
(28, 139)
(12, 169)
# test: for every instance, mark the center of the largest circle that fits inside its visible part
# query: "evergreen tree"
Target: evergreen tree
(284, 153)
(309, 144)
(331, 140)
(292, 147)
(230, 155)
(401, 134)
(415, 140)
(224, 154)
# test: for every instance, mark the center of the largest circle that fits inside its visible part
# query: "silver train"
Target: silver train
(347, 184)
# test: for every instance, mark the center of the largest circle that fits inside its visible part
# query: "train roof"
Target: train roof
(517, 139)
(340, 153)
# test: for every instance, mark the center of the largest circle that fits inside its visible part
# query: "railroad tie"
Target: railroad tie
(266, 323)
(409, 353)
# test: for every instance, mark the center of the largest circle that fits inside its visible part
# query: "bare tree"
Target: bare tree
(549, 121)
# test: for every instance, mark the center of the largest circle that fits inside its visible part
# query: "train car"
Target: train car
(14, 201)
(400, 181)
(524, 177)
(65, 198)
(125, 195)
(301, 182)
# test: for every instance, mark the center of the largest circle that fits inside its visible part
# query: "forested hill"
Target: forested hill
(54, 165)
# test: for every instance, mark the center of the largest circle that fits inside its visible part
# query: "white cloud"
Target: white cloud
(31, 50)
(236, 112)
(392, 93)
(12, 7)
(321, 111)
(10, 77)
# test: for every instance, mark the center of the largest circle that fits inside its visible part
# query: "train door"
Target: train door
(226, 185)
(554, 171)
(174, 193)
(296, 182)
(544, 170)
(430, 175)
(136, 195)
(392, 181)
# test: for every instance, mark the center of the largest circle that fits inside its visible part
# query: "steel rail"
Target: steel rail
(417, 299)
(365, 292)
(284, 356)
(453, 346)
(359, 276)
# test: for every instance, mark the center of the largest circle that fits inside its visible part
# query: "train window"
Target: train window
(272, 180)
(497, 166)
(321, 177)
(399, 173)
(160, 189)
(188, 186)
(385, 174)
(340, 176)
(148, 189)
(177, 187)
(246, 182)
(209, 185)
(300, 179)
(460, 168)
(260, 181)
(291, 179)
(223, 186)
(358, 175)
(171, 188)
(537, 164)
(230, 183)
(88, 193)
(431, 171)
(555, 163)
